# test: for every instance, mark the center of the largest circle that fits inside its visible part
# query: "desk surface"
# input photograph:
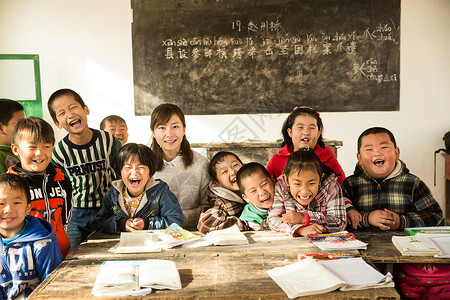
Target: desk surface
(237, 272)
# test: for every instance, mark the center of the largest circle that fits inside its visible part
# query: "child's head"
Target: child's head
(68, 111)
(15, 203)
(136, 163)
(303, 128)
(11, 112)
(32, 140)
(223, 169)
(256, 185)
(303, 174)
(117, 126)
(377, 152)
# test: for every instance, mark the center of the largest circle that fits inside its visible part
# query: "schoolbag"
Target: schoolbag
(424, 281)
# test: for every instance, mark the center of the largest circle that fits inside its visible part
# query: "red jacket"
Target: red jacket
(51, 198)
(276, 164)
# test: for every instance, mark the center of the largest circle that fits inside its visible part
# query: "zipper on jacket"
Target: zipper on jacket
(5, 249)
(48, 211)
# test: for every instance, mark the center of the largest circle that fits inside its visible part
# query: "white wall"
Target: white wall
(86, 45)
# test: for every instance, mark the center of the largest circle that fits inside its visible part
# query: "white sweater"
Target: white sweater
(190, 186)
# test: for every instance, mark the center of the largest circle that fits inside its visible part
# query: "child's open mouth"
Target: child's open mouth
(264, 200)
(378, 162)
(306, 140)
(135, 182)
(75, 123)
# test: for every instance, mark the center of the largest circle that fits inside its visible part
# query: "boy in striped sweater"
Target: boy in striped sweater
(87, 156)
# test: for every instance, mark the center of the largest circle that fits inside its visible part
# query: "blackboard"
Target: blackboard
(268, 56)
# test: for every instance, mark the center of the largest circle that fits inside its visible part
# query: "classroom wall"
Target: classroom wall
(86, 45)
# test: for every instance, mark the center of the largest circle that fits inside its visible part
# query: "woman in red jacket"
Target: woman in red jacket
(303, 128)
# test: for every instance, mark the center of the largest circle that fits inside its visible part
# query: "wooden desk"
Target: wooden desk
(383, 254)
(227, 272)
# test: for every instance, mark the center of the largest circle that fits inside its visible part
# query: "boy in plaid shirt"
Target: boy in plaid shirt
(382, 189)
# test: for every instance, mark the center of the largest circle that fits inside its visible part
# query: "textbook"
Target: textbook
(327, 276)
(174, 235)
(443, 243)
(137, 242)
(336, 241)
(135, 277)
(429, 231)
(228, 236)
(415, 246)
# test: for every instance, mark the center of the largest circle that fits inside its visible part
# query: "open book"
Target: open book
(174, 235)
(136, 277)
(336, 241)
(418, 245)
(228, 236)
(327, 276)
(137, 242)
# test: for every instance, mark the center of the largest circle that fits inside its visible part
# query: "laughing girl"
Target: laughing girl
(137, 201)
(308, 198)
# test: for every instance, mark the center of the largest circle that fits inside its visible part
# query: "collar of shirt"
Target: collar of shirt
(174, 162)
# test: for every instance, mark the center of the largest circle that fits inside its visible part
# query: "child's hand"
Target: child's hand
(384, 219)
(134, 224)
(354, 217)
(293, 217)
(311, 229)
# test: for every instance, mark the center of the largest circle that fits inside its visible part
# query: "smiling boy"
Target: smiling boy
(258, 188)
(86, 156)
(383, 190)
(225, 202)
(51, 192)
(28, 245)
(117, 126)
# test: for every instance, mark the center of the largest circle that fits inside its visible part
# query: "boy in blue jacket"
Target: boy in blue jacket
(29, 250)
(137, 201)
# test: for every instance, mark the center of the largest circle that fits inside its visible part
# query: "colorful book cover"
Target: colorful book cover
(330, 237)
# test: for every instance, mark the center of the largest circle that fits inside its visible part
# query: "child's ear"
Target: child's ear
(245, 198)
(358, 156)
(397, 153)
(86, 110)
(15, 149)
(286, 179)
(28, 208)
(57, 124)
(2, 131)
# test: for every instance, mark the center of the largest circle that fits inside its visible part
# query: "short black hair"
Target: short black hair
(36, 128)
(249, 169)
(16, 182)
(9, 107)
(139, 151)
(376, 130)
(59, 93)
(217, 159)
(111, 118)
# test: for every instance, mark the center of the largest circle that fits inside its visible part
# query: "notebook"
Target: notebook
(415, 246)
(327, 276)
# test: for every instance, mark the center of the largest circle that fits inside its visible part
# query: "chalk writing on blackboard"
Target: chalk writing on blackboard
(241, 57)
